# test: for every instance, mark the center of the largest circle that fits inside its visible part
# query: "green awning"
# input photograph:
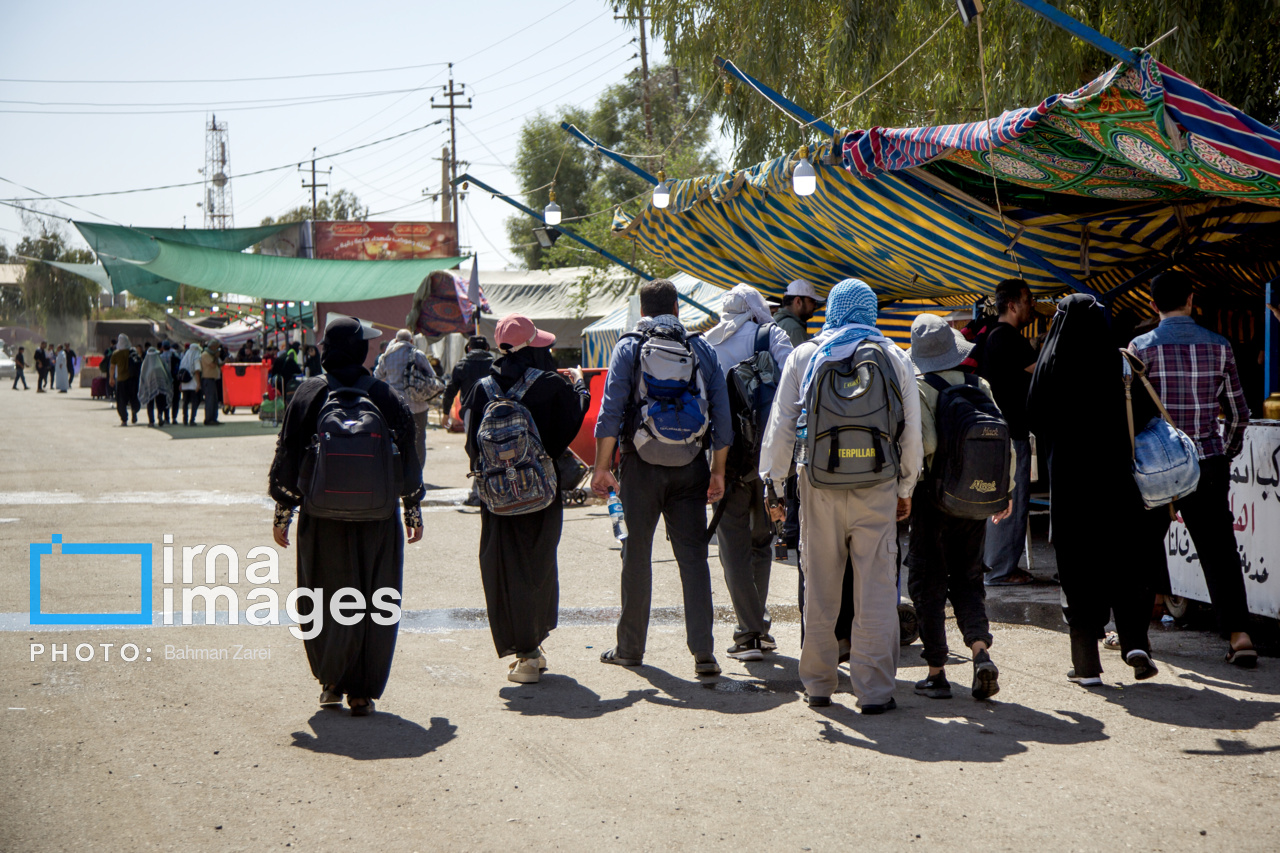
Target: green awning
(94, 272)
(114, 244)
(271, 277)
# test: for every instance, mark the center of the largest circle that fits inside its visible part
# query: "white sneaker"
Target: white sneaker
(524, 671)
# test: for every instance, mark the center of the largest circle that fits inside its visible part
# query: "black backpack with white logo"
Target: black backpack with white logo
(969, 477)
(353, 470)
(753, 383)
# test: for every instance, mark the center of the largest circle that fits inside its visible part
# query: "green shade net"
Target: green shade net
(273, 277)
(94, 272)
(115, 245)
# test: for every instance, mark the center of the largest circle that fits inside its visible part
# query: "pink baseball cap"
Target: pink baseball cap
(516, 331)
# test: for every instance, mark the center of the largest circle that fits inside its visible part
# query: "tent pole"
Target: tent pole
(1120, 289)
(617, 158)
(772, 96)
(1271, 342)
(592, 246)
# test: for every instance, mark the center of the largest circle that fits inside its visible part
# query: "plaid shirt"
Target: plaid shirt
(1194, 372)
(391, 365)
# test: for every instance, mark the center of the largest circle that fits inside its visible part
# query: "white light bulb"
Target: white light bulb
(804, 180)
(551, 214)
(661, 195)
(191, 313)
(214, 294)
(169, 310)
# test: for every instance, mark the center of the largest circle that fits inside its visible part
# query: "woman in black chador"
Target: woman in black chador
(518, 552)
(364, 555)
(1108, 560)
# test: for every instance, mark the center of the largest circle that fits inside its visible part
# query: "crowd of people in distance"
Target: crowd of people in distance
(831, 445)
(55, 367)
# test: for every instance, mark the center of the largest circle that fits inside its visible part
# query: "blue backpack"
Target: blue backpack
(670, 409)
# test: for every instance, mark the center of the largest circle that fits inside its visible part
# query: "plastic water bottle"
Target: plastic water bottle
(616, 516)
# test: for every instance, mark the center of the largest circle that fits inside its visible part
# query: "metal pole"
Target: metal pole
(1081, 31)
(573, 131)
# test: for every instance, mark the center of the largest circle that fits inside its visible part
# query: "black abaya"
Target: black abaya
(518, 552)
(332, 555)
(1101, 531)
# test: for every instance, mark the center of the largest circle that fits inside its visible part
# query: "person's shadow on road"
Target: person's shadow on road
(979, 732)
(375, 737)
(561, 696)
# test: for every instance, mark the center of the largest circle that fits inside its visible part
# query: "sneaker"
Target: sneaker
(748, 650)
(705, 664)
(768, 643)
(935, 687)
(1084, 680)
(891, 705)
(524, 671)
(817, 701)
(985, 676)
(1143, 667)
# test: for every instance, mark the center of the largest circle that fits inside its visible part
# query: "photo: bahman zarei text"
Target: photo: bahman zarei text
(641, 424)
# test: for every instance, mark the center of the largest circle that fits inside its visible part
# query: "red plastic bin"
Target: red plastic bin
(243, 385)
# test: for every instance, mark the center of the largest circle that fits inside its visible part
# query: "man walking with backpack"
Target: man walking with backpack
(405, 368)
(968, 477)
(349, 535)
(751, 351)
(853, 395)
(665, 399)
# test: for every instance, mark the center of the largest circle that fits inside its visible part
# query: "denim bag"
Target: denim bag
(1165, 464)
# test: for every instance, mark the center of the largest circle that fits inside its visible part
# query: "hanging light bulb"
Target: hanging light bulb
(551, 213)
(191, 313)
(662, 192)
(804, 180)
(214, 294)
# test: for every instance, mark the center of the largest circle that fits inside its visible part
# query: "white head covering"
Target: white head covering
(122, 342)
(741, 305)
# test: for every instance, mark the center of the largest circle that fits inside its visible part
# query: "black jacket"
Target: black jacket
(466, 373)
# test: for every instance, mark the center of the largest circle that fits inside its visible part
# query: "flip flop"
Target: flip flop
(1243, 658)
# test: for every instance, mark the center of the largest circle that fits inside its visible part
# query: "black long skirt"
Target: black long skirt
(363, 555)
(521, 577)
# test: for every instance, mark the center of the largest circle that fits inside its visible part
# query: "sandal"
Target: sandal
(613, 657)
(1111, 642)
(329, 695)
(362, 710)
(1243, 658)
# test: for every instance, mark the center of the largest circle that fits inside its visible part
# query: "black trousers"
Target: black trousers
(679, 496)
(945, 562)
(1207, 514)
(127, 399)
(190, 406)
(175, 402)
(211, 400)
(162, 403)
(42, 376)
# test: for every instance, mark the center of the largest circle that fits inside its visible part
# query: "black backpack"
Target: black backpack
(753, 383)
(353, 470)
(970, 473)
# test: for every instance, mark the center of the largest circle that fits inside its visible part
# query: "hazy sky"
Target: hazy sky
(516, 58)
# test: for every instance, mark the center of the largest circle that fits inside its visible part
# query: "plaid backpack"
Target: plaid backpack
(514, 472)
(421, 385)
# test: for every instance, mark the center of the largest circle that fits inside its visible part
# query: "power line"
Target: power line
(541, 51)
(209, 104)
(296, 103)
(200, 183)
(229, 79)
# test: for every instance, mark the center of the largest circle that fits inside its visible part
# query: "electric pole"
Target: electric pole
(313, 185)
(452, 151)
(644, 72)
(445, 189)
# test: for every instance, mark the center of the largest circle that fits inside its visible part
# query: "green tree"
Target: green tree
(823, 54)
(588, 184)
(54, 299)
(342, 206)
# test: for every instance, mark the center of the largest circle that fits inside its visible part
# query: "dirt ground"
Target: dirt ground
(170, 752)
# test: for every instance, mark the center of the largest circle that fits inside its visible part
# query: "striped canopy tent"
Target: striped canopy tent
(599, 339)
(1138, 168)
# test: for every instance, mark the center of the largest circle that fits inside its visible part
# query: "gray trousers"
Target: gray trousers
(1007, 540)
(745, 537)
(679, 496)
(857, 525)
(420, 424)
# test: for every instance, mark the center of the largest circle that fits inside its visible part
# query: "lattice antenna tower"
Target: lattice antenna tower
(217, 204)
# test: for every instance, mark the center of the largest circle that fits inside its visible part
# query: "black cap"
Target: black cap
(479, 342)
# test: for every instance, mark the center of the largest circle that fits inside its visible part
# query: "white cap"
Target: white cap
(800, 287)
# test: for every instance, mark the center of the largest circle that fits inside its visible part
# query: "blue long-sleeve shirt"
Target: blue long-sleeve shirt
(619, 390)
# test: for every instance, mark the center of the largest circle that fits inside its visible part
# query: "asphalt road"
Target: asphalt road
(234, 754)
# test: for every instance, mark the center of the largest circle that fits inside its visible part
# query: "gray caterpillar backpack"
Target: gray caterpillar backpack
(853, 419)
(669, 413)
(514, 473)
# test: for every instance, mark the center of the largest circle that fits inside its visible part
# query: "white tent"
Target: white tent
(600, 337)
